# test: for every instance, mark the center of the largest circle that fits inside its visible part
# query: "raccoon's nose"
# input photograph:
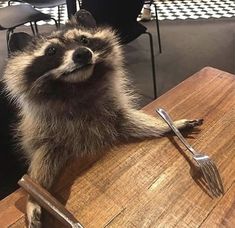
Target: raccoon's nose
(82, 55)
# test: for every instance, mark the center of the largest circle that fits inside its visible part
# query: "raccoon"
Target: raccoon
(72, 91)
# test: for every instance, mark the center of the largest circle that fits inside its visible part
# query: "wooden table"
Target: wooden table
(149, 184)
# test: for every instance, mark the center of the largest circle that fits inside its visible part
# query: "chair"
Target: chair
(44, 4)
(156, 19)
(122, 15)
(14, 16)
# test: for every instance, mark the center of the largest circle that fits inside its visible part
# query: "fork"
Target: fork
(206, 165)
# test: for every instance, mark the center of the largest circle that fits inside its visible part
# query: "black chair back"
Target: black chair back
(119, 14)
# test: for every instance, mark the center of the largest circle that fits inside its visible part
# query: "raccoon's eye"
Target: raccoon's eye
(50, 51)
(84, 40)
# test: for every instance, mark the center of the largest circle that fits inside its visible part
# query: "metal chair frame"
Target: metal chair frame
(34, 31)
(152, 63)
(10, 30)
(22, 1)
(157, 22)
(158, 29)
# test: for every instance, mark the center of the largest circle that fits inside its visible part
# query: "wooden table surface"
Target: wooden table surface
(152, 183)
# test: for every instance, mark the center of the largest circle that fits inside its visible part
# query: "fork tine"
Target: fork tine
(213, 179)
(207, 178)
(218, 177)
(209, 175)
(212, 174)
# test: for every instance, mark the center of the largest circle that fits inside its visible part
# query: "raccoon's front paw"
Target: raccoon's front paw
(34, 212)
(193, 123)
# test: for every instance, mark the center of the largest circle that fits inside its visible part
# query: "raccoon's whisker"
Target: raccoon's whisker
(39, 81)
(104, 51)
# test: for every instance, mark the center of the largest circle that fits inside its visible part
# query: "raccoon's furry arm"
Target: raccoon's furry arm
(137, 124)
(44, 167)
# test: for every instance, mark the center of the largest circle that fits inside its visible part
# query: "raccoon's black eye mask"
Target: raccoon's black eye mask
(51, 50)
(84, 40)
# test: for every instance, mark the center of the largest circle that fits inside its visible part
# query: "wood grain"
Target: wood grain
(224, 213)
(152, 183)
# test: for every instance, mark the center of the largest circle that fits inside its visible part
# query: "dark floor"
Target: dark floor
(188, 46)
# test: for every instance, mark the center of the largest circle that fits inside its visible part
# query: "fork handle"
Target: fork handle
(165, 116)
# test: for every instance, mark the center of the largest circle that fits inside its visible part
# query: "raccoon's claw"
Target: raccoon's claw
(35, 224)
(194, 123)
(34, 215)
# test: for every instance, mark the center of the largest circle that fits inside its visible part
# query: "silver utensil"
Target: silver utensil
(207, 166)
(50, 203)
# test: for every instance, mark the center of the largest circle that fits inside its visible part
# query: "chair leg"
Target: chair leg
(8, 35)
(32, 28)
(36, 27)
(36, 32)
(7, 39)
(158, 29)
(56, 23)
(153, 63)
(59, 15)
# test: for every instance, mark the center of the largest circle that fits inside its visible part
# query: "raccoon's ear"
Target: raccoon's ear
(82, 18)
(19, 41)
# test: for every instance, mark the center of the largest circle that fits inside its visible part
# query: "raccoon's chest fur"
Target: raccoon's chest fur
(80, 135)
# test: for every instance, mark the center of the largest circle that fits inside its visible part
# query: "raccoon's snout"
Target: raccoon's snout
(82, 56)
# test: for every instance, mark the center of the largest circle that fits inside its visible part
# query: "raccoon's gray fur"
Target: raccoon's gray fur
(71, 89)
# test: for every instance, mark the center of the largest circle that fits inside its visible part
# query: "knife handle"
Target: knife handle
(48, 202)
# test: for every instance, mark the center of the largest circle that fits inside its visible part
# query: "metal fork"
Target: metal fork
(207, 166)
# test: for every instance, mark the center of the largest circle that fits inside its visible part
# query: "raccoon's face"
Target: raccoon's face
(65, 61)
(71, 55)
